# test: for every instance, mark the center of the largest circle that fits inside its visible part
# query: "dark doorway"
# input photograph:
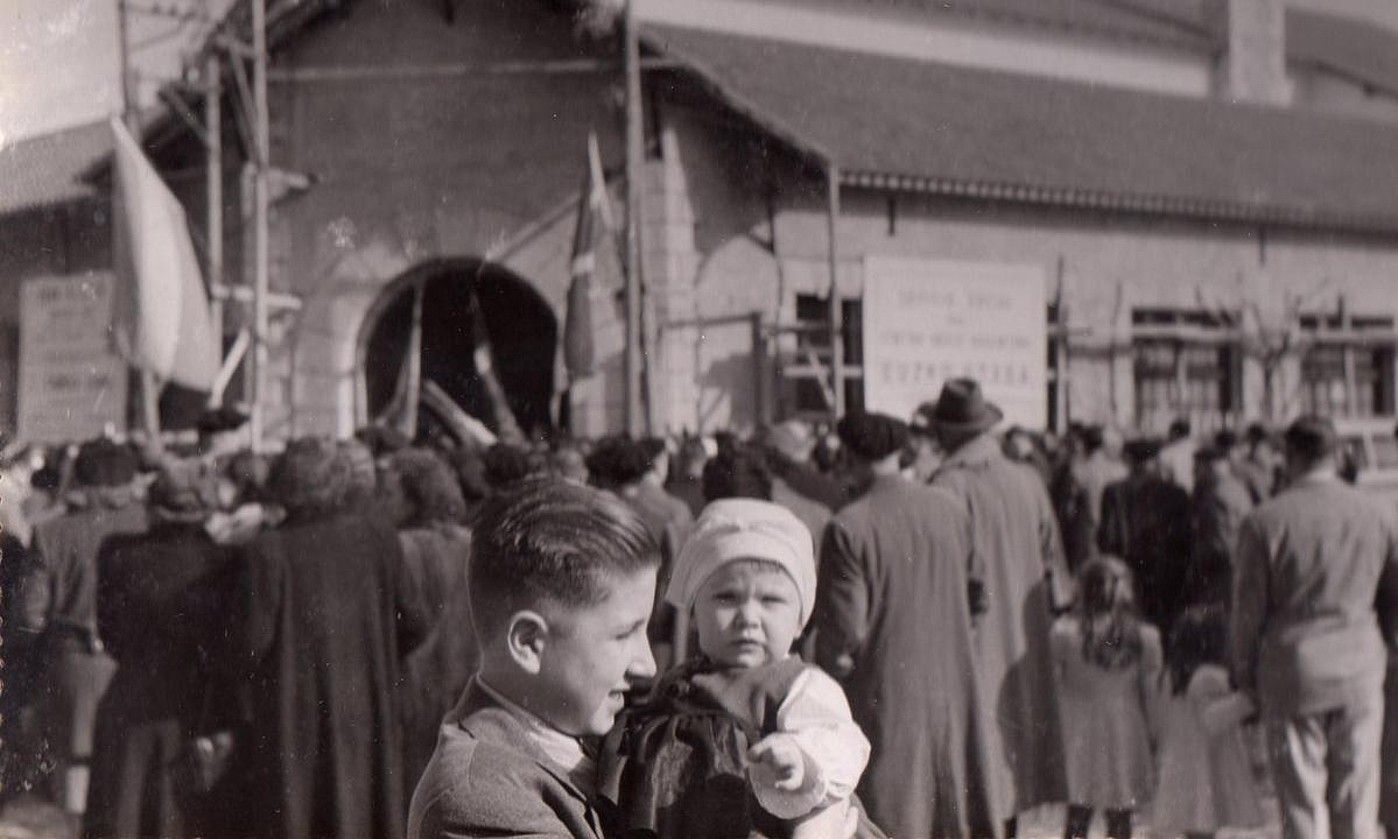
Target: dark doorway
(521, 326)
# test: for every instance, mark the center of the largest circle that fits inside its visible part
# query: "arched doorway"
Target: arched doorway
(520, 324)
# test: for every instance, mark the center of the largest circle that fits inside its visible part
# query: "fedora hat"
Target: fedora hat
(962, 407)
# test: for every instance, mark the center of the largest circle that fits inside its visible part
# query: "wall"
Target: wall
(457, 162)
(749, 233)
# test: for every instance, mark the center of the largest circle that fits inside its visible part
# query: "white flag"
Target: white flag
(163, 323)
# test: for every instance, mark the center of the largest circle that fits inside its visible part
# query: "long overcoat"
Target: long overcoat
(892, 623)
(322, 623)
(1019, 560)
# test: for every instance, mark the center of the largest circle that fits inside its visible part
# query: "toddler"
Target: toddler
(746, 721)
(1106, 660)
(1206, 781)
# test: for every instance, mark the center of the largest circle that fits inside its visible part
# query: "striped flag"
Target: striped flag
(162, 323)
(594, 212)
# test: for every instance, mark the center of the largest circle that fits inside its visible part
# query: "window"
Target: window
(1187, 364)
(804, 382)
(1344, 372)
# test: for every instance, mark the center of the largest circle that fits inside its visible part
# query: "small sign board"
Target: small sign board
(926, 321)
(72, 385)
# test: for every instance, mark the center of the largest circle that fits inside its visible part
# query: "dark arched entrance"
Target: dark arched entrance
(521, 326)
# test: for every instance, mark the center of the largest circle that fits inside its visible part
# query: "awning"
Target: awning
(890, 123)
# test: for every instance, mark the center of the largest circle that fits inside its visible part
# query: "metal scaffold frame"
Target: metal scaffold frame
(252, 119)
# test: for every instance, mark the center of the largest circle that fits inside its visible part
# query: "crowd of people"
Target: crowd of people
(879, 627)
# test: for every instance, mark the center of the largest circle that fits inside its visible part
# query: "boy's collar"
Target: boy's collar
(526, 716)
(564, 750)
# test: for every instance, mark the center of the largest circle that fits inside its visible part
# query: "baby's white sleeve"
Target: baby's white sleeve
(816, 714)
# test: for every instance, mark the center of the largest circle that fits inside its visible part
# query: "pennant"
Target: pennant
(506, 426)
(579, 352)
(163, 325)
(401, 411)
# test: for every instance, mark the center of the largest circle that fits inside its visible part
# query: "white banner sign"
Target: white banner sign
(71, 384)
(926, 321)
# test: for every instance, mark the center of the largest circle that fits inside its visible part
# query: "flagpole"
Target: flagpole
(634, 163)
(261, 153)
(150, 387)
(213, 130)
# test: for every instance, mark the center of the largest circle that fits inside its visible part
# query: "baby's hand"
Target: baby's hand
(783, 759)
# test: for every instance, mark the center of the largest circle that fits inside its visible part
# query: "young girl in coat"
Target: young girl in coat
(745, 739)
(1107, 661)
(1206, 781)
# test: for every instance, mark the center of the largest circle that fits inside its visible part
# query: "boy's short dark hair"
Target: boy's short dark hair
(552, 541)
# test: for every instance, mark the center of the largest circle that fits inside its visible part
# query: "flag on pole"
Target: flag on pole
(594, 214)
(163, 324)
(506, 426)
(401, 412)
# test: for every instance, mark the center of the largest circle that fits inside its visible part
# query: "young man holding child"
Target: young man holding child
(562, 580)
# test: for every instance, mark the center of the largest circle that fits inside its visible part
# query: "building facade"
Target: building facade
(1207, 191)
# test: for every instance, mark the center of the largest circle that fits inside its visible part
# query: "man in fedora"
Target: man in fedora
(893, 624)
(1315, 568)
(1019, 557)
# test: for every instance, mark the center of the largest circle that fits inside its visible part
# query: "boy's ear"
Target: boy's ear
(525, 637)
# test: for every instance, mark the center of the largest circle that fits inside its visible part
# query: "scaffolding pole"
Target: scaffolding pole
(213, 147)
(261, 154)
(837, 343)
(635, 421)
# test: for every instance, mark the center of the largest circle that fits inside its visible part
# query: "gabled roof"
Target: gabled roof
(1182, 23)
(1365, 52)
(1360, 51)
(909, 125)
(46, 170)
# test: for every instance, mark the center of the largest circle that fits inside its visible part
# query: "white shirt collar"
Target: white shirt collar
(567, 751)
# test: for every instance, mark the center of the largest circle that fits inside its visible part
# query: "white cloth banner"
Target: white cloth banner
(926, 321)
(163, 321)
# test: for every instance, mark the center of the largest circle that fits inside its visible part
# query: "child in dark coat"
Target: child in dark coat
(747, 737)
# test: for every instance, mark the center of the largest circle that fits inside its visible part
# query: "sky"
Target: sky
(59, 58)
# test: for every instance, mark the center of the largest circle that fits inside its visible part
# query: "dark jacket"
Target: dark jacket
(1146, 522)
(1220, 505)
(893, 625)
(58, 589)
(161, 607)
(321, 623)
(487, 779)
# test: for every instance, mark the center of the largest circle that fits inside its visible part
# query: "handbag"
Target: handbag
(204, 758)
